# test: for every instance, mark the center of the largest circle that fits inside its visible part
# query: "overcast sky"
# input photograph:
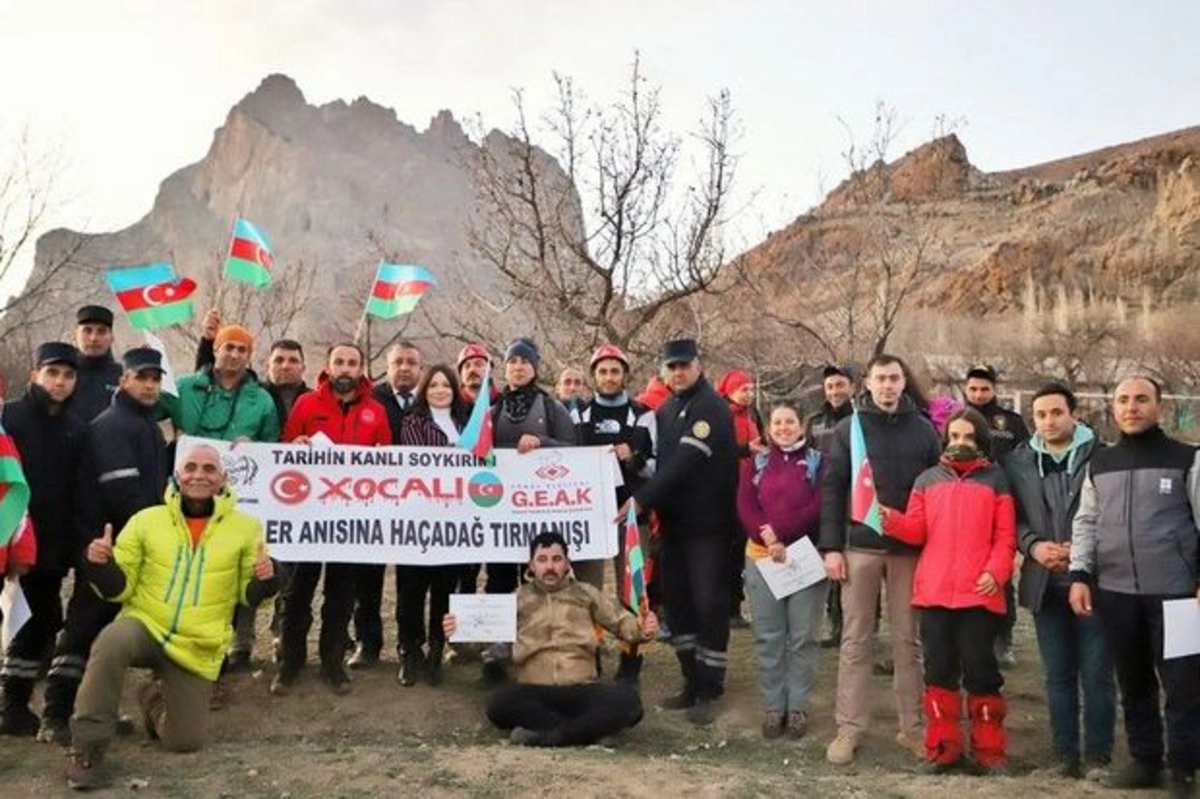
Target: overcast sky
(130, 90)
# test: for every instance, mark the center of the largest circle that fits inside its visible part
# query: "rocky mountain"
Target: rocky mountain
(337, 187)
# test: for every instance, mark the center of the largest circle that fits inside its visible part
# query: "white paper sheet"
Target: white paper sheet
(168, 380)
(15, 609)
(802, 568)
(1181, 627)
(484, 618)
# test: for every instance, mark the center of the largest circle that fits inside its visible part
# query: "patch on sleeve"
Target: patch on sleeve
(701, 429)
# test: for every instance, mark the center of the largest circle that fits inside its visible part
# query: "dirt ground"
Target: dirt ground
(387, 740)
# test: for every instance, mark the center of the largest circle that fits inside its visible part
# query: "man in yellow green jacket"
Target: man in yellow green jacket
(178, 570)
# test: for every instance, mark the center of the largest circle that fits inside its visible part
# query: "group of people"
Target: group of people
(169, 574)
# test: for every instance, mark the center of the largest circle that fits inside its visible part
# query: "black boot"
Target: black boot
(16, 718)
(56, 713)
(629, 669)
(410, 668)
(436, 654)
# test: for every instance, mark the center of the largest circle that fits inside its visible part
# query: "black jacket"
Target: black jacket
(1008, 428)
(900, 446)
(127, 463)
(51, 449)
(818, 430)
(630, 423)
(98, 379)
(383, 392)
(694, 487)
(1037, 509)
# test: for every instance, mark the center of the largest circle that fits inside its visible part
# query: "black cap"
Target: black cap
(846, 370)
(55, 352)
(984, 371)
(139, 359)
(680, 350)
(95, 315)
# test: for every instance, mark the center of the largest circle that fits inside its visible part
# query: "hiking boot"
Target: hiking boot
(362, 659)
(411, 666)
(841, 749)
(629, 669)
(237, 660)
(797, 724)
(702, 712)
(1181, 784)
(19, 722)
(1136, 775)
(433, 667)
(913, 743)
(933, 768)
(336, 679)
(150, 700)
(283, 682)
(680, 701)
(54, 731)
(773, 724)
(85, 772)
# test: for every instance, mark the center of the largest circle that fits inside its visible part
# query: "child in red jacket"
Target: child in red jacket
(963, 516)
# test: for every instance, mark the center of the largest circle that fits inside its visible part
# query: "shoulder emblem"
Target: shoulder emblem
(701, 429)
(999, 421)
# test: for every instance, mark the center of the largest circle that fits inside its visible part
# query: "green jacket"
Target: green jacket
(205, 409)
(184, 595)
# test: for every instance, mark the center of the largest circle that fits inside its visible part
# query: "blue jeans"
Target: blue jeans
(787, 639)
(1075, 656)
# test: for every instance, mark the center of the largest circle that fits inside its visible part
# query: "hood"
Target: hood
(1083, 435)
(732, 381)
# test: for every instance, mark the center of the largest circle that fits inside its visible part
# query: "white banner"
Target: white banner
(421, 505)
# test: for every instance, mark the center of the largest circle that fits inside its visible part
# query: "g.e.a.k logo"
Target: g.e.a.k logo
(485, 490)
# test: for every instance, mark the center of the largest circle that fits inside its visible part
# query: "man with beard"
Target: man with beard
(125, 471)
(694, 491)
(343, 409)
(99, 374)
(613, 418)
(50, 442)
(396, 395)
(571, 389)
(1008, 431)
(556, 699)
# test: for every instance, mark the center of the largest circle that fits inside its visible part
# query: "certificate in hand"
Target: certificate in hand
(802, 568)
(484, 618)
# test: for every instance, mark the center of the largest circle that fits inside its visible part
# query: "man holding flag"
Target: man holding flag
(875, 457)
(557, 700)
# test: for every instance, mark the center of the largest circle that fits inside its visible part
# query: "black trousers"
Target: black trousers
(502, 578)
(737, 568)
(87, 615)
(958, 648)
(417, 583)
(1133, 625)
(468, 578)
(297, 615)
(368, 605)
(696, 578)
(24, 656)
(566, 715)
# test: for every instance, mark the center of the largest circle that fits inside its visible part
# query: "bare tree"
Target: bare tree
(643, 238)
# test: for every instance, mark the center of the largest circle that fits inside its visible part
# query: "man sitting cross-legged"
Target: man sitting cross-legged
(557, 700)
(178, 570)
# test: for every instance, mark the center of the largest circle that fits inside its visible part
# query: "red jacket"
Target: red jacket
(361, 421)
(967, 525)
(21, 550)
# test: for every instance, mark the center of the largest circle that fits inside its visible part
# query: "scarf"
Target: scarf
(516, 403)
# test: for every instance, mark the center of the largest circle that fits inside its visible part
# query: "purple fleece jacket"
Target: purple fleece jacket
(786, 497)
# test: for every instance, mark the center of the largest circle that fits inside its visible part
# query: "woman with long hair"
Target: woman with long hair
(437, 417)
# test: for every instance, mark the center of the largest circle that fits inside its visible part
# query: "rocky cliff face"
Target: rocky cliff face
(336, 187)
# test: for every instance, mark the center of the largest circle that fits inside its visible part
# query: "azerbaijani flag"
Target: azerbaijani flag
(633, 582)
(477, 437)
(864, 504)
(152, 295)
(14, 490)
(250, 256)
(398, 288)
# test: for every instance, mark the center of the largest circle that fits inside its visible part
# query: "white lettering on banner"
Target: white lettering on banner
(421, 505)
